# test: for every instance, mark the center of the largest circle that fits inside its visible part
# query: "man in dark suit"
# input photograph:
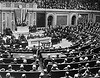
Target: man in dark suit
(21, 68)
(97, 74)
(45, 74)
(67, 75)
(10, 68)
(8, 75)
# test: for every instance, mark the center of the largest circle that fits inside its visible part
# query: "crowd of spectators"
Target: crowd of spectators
(63, 4)
(81, 60)
(82, 31)
(9, 63)
(83, 54)
(55, 33)
(11, 41)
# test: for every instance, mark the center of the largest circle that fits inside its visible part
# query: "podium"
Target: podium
(22, 30)
(40, 42)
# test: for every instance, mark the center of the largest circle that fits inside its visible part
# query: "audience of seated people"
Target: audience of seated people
(63, 4)
(67, 75)
(10, 68)
(45, 74)
(8, 75)
(83, 58)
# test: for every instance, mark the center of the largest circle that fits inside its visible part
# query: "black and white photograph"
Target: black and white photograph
(49, 38)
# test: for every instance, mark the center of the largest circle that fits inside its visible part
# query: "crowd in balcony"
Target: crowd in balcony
(63, 4)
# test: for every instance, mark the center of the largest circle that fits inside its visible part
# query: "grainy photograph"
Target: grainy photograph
(49, 38)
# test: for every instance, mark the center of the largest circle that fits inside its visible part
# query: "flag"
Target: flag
(25, 13)
(18, 16)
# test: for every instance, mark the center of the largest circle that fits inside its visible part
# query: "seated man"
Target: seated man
(11, 55)
(2, 69)
(67, 67)
(23, 76)
(8, 41)
(94, 57)
(86, 66)
(8, 75)
(34, 56)
(87, 73)
(71, 53)
(33, 68)
(48, 66)
(53, 60)
(25, 61)
(73, 60)
(57, 56)
(1, 60)
(76, 76)
(36, 63)
(97, 74)
(14, 61)
(6, 54)
(81, 59)
(22, 37)
(49, 57)
(21, 68)
(67, 75)
(10, 68)
(20, 48)
(54, 67)
(45, 74)
(86, 59)
(97, 63)
(65, 61)
(34, 49)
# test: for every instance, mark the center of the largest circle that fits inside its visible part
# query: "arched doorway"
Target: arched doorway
(73, 21)
(50, 21)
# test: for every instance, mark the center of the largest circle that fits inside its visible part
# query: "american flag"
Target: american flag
(24, 15)
(20, 16)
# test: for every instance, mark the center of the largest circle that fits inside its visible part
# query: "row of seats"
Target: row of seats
(74, 65)
(85, 40)
(61, 73)
(69, 59)
(17, 61)
(20, 67)
(15, 74)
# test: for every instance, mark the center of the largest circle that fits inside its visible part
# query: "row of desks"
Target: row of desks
(61, 73)
(16, 67)
(16, 74)
(69, 59)
(19, 61)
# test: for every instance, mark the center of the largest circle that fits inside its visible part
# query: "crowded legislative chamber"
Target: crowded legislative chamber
(49, 38)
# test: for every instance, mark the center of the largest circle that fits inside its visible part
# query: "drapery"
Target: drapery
(20, 16)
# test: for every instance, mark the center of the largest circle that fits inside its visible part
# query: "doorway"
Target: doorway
(73, 21)
(50, 21)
